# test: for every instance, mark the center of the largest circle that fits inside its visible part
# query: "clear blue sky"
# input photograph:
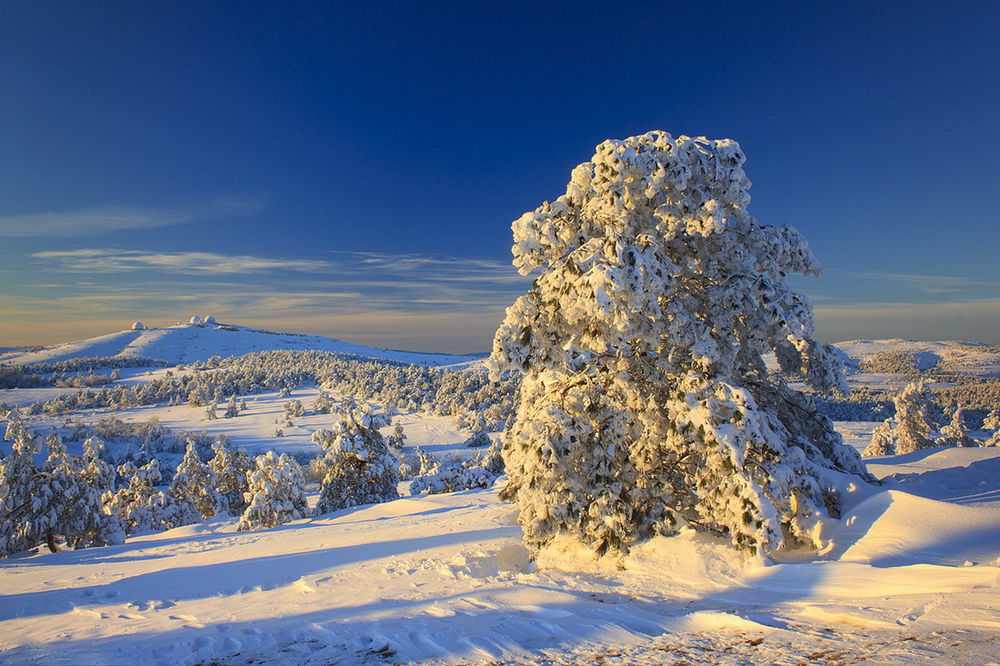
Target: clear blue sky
(353, 170)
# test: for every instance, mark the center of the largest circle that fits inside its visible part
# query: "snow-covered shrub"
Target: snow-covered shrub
(322, 404)
(492, 459)
(645, 403)
(232, 468)
(453, 475)
(194, 487)
(276, 493)
(359, 467)
(478, 440)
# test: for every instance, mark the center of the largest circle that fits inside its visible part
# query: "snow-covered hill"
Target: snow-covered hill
(187, 343)
(945, 356)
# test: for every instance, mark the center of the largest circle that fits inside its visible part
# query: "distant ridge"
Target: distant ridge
(188, 343)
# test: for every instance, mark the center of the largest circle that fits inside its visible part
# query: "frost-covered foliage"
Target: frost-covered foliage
(139, 505)
(890, 362)
(453, 475)
(60, 502)
(645, 403)
(955, 433)
(194, 487)
(276, 494)
(992, 420)
(479, 439)
(912, 430)
(359, 469)
(232, 468)
(410, 387)
(881, 443)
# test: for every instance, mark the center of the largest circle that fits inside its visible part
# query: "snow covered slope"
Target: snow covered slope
(443, 578)
(943, 356)
(187, 343)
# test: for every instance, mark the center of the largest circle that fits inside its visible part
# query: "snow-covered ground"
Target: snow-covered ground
(911, 574)
(187, 343)
(912, 577)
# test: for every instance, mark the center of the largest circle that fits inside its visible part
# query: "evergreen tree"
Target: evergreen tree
(359, 467)
(232, 409)
(231, 468)
(881, 443)
(913, 428)
(17, 478)
(194, 487)
(276, 493)
(139, 505)
(955, 433)
(645, 403)
(992, 420)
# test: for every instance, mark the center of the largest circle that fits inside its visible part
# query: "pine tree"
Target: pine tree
(955, 433)
(913, 429)
(194, 487)
(231, 468)
(881, 443)
(232, 409)
(359, 467)
(17, 474)
(992, 420)
(139, 505)
(645, 402)
(276, 493)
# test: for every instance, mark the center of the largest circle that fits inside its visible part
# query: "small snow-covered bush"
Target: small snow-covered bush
(881, 443)
(276, 493)
(453, 475)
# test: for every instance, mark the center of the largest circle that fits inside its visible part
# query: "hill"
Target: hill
(188, 343)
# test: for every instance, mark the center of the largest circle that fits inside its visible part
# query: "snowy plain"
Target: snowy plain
(911, 575)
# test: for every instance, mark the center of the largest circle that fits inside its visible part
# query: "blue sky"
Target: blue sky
(352, 170)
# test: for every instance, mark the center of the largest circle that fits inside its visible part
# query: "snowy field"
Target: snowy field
(911, 575)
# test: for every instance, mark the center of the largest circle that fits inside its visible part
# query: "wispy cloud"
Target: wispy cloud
(932, 284)
(95, 221)
(105, 260)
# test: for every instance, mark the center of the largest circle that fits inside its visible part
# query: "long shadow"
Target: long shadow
(413, 631)
(975, 483)
(232, 577)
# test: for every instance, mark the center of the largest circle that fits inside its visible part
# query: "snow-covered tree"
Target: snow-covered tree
(646, 404)
(17, 473)
(396, 439)
(992, 420)
(913, 429)
(955, 433)
(231, 468)
(322, 404)
(294, 408)
(194, 487)
(139, 505)
(359, 467)
(881, 443)
(276, 493)
(210, 413)
(232, 408)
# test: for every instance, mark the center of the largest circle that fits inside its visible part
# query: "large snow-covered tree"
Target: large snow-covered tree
(645, 403)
